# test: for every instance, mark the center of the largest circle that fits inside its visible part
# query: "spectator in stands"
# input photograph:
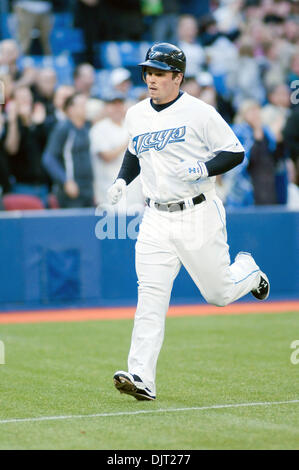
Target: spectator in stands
(273, 49)
(67, 156)
(244, 78)
(291, 137)
(95, 110)
(31, 15)
(122, 84)
(166, 25)
(88, 17)
(60, 96)
(109, 140)
(291, 30)
(294, 9)
(209, 94)
(210, 32)
(202, 86)
(121, 80)
(165, 21)
(5, 182)
(122, 20)
(84, 79)
(262, 152)
(24, 139)
(9, 55)
(151, 10)
(187, 41)
(273, 71)
(7, 89)
(275, 23)
(277, 110)
(57, 113)
(220, 50)
(44, 88)
(229, 16)
(260, 35)
(252, 9)
(191, 86)
(294, 67)
(274, 115)
(293, 188)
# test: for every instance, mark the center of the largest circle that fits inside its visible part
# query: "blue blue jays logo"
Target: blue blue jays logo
(158, 140)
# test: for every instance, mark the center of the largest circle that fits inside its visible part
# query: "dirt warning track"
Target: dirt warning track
(87, 314)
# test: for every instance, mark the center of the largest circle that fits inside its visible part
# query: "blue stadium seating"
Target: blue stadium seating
(63, 37)
(103, 83)
(65, 40)
(7, 25)
(122, 54)
(63, 65)
(63, 20)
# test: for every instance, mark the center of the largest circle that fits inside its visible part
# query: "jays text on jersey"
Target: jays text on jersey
(189, 129)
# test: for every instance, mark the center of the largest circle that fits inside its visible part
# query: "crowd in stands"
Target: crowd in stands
(62, 133)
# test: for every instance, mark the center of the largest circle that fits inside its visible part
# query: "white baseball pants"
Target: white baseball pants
(195, 238)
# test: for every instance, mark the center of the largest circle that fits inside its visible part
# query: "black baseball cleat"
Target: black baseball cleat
(263, 289)
(132, 385)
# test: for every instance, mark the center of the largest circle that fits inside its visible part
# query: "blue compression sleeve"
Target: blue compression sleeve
(130, 167)
(224, 162)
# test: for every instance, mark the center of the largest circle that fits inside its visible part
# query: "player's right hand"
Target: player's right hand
(116, 191)
(191, 171)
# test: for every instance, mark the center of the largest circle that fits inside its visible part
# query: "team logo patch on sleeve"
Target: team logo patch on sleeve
(159, 139)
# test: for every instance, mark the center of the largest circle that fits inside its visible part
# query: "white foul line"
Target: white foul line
(139, 412)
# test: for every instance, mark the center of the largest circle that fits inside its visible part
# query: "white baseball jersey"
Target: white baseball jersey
(189, 129)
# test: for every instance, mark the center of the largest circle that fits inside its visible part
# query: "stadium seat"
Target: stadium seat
(63, 65)
(21, 202)
(8, 25)
(63, 20)
(103, 81)
(122, 54)
(64, 40)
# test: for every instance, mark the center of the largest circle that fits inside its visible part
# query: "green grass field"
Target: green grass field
(66, 369)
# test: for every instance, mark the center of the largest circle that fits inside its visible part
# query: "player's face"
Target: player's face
(162, 86)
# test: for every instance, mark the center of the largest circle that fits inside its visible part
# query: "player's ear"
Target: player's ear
(178, 78)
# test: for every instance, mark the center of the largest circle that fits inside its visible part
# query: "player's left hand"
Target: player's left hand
(191, 171)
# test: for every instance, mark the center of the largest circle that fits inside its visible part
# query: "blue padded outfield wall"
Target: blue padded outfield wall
(54, 259)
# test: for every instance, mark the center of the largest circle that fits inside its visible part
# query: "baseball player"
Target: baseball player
(178, 144)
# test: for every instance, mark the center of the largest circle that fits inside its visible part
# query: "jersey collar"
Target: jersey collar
(160, 107)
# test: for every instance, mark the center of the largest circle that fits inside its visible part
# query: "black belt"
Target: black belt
(176, 206)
